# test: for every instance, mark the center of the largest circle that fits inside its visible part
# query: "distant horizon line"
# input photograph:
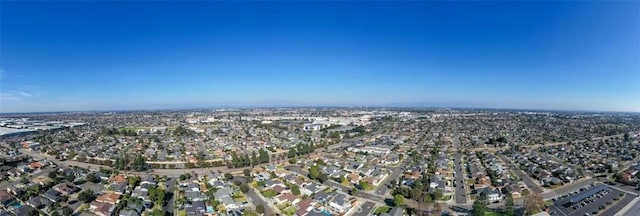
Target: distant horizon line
(244, 107)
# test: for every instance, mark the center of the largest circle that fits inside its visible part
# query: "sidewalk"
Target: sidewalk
(628, 207)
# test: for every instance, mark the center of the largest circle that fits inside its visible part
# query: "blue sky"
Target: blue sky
(58, 56)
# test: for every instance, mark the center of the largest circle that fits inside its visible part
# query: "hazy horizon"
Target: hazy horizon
(85, 56)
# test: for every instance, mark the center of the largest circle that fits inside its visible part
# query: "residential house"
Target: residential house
(5, 197)
(65, 188)
(102, 208)
(52, 195)
(42, 180)
(493, 195)
(109, 197)
(340, 204)
(287, 197)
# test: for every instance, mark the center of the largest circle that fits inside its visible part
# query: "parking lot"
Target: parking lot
(591, 200)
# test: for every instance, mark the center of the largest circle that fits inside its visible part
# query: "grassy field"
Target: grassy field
(382, 210)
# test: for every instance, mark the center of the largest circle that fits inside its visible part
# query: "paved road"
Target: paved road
(526, 178)
(365, 209)
(633, 210)
(613, 210)
(461, 193)
(171, 187)
(257, 199)
(395, 173)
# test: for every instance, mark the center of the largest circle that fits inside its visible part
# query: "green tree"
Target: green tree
(364, 185)
(70, 178)
(139, 163)
(157, 212)
(626, 137)
(437, 195)
(509, 205)
(292, 153)
(427, 199)
(86, 196)
(398, 200)
(295, 189)
(260, 209)
(247, 173)
(480, 205)
(92, 177)
(323, 178)
(67, 211)
(249, 212)
(228, 176)
(133, 181)
(244, 188)
(263, 156)
(314, 172)
(53, 174)
(185, 176)
(254, 159)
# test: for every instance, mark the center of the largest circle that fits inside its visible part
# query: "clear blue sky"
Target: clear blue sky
(578, 55)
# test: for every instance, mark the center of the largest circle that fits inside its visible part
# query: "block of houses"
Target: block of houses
(109, 197)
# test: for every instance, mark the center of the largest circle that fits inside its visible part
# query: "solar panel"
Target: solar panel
(583, 195)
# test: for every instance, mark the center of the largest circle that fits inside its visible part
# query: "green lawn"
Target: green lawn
(289, 210)
(491, 214)
(382, 210)
(446, 198)
(268, 193)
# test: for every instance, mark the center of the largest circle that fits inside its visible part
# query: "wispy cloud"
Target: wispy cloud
(24, 94)
(8, 97)
(14, 95)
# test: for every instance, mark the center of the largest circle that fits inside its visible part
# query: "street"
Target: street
(257, 199)
(171, 188)
(526, 178)
(365, 209)
(613, 210)
(461, 196)
(395, 173)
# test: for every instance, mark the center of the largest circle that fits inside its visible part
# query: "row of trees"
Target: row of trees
(301, 149)
(237, 161)
(182, 131)
(139, 163)
(121, 131)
